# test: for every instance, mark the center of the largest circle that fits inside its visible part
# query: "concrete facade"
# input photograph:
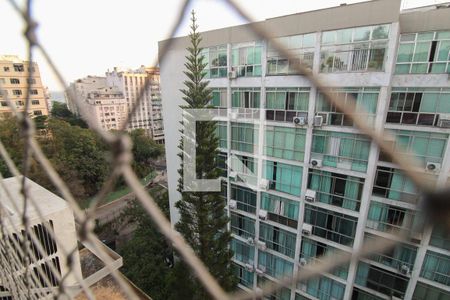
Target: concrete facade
(272, 240)
(14, 73)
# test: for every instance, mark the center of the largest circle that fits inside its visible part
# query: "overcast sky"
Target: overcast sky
(86, 37)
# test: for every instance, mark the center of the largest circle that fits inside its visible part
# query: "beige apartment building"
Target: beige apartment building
(14, 80)
(107, 107)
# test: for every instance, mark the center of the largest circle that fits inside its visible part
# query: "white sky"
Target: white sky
(86, 37)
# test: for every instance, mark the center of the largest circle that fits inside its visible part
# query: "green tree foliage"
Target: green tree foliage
(202, 215)
(80, 157)
(60, 111)
(144, 151)
(147, 256)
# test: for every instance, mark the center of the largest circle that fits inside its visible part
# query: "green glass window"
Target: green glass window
(336, 189)
(301, 47)
(382, 281)
(400, 256)
(216, 61)
(273, 265)
(221, 132)
(245, 98)
(334, 226)
(415, 106)
(280, 210)
(242, 226)
(313, 251)
(283, 177)
(244, 137)
(341, 150)
(246, 59)
(436, 267)
(385, 217)
(428, 292)
(242, 251)
(440, 237)
(424, 52)
(366, 101)
(245, 277)
(245, 198)
(424, 147)
(359, 49)
(323, 288)
(283, 142)
(278, 239)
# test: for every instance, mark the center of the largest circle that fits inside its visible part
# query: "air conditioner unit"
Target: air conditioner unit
(249, 267)
(233, 204)
(307, 229)
(444, 120)
(250, 241)
(233, 115)
(232, 75)
(299, 121)
(433, 167)
(318, 121)
(261, 270)
(310, 196)
(316, 163)
(233, 175)
(303, 262)
(405, 270)
(264, 184)
(262, 214)
(261, 245)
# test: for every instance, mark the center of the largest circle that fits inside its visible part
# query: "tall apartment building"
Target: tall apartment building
(148, 115)
(314, 184)
(80, 88)
(14, 73)
(107, 107)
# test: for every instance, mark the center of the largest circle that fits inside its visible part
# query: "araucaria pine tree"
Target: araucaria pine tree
(203, 221)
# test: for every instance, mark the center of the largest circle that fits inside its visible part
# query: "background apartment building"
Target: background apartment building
(314, 184)
(14, 80)
(107, 107)
(148, 115)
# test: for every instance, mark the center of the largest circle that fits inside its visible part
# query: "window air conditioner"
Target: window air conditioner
(262, 214)
(318, 121)
(404, 269)
(310, 196)
(316, 163)
(299, 121)
(249, 267)
(250, 241)
(232, 75)
(264, 184)
(261, 245)
(303, 262)
(433, 167)
(233, 204)
(307, 229)
(444, 120)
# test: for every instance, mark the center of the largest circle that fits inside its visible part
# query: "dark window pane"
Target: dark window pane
(426, 119)
(270, 115)
(393, 117)
(409, 118)
(336, 119)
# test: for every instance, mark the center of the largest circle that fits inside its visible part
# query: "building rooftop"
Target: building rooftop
(11, 187)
